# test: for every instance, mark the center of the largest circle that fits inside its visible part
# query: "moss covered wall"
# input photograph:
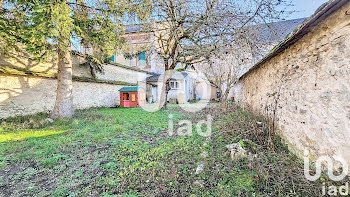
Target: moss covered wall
(306, 89)
(20, 95)
(27, 87)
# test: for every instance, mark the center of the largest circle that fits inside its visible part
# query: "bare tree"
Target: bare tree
(179, 22)
(237, 40)
(190, 31)
(222, 67)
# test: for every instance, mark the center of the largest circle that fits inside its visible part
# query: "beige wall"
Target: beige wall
(49, 66)
(20, 95)
(111, 72)
(116, 73)
(119, 58)
(205, 91)
(308, 85)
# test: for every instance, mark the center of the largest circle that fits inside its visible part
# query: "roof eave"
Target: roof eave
(302, 30)
(131, 68)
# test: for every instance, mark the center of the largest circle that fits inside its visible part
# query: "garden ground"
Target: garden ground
(128, 152)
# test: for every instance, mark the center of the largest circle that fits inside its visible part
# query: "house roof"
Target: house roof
(155, 77)
(129, 89)
(132, 68)
(276, 31)
(133, 28)
(321, 13)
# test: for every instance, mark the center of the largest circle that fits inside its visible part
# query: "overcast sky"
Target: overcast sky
(305, 8)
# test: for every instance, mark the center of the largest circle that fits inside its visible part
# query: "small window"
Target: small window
(125, 96)
(174, 85)
(133, 97)
(142, 59)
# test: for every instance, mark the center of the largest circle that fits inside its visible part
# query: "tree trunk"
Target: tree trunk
(164, 94)
(64, 94)
(224, 105)
(224, 99)
(165, 88)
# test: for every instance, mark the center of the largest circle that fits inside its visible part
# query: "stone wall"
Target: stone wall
(111, 72)
(116, 73)
(20, 95)
(306, 89)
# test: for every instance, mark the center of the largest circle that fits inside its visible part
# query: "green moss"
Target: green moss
(21, 71)
(88, 79)
(130, 68)
(24, 72)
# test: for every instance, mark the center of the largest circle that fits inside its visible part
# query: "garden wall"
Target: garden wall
(20, 95)
(28, 87)
(111, 72)
(117, 73)
(306, 89)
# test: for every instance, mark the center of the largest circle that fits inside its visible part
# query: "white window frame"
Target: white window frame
(174, 85)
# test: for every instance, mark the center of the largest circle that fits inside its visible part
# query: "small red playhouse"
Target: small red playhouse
(132, 96)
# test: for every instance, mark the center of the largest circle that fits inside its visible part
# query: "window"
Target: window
(125, 96)
(142, 59)
(174, 85)
(133, 97)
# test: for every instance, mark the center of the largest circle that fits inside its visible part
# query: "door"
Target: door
(126, 100)
(154, 94)
(133, 99)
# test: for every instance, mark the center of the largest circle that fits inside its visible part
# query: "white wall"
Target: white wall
(20, 95)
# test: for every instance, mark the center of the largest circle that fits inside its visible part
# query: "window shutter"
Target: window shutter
(142, 59)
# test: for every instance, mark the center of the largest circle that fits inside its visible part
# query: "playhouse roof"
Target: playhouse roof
(129, 88)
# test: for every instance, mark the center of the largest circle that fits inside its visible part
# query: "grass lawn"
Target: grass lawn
(128, 152)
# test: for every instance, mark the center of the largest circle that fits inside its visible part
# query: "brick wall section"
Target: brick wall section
(308, 86)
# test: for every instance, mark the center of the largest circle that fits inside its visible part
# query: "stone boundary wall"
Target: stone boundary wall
(27, 87)
(117, 73)
(306, 89)
(21, 95)
(49, 69)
